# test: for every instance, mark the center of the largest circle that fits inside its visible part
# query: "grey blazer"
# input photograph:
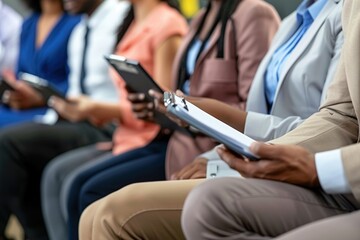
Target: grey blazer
(305, 78)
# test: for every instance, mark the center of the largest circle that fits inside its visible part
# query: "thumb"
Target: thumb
(264, 150)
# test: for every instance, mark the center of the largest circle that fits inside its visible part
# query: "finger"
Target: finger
(136, 97)
(156, 95)
(138, 107)
(183, 171)
(266, 151)
(198, 175)
(179, 93)
(187, 174)
(234, 162)
(6, 96)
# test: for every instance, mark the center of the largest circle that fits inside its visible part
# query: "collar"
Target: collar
(309, 10)
(100, 13)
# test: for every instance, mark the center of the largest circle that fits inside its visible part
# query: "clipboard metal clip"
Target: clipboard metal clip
(169, 100)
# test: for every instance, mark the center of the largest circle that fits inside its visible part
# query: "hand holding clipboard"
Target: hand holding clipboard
(209, 125)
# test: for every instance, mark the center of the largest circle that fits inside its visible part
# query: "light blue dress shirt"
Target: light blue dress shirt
(193, 52)
(306, 15)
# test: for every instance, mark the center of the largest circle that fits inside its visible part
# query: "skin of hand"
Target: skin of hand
(142, 108)
(23, 96)
(194, 170)
(74, 110)
(286, 163)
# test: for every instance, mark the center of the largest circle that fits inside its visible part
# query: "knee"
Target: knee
(86, 221)
(197, 210)
(210, 205)
(115, 210)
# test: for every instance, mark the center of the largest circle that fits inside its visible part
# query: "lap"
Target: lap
(280, 206)
(345, 227)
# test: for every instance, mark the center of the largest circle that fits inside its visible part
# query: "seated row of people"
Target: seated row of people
(220, 58)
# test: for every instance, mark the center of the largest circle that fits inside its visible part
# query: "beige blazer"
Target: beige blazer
(248, 35)
(337, 123)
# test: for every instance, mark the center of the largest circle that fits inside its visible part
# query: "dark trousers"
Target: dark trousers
(24, 152)
(96, 181)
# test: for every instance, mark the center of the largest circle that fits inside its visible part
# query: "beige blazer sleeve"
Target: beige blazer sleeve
(337, 123)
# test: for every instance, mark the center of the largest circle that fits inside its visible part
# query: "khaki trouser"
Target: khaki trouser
(224, 208)
(138, 211)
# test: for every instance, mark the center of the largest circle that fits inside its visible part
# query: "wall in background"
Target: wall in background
(17, 5)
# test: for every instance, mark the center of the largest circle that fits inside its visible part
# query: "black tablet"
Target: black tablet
(135, 76)
(44, 87)
(138, 80)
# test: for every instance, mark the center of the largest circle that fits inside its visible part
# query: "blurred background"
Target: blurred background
(189, 7)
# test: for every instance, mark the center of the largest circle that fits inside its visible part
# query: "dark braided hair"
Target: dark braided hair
(130, 17)
(226, 10)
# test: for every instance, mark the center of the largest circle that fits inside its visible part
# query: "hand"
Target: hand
(285, 163)
(159, 106)
(75, 110)
(195, 170)
(23, 96)
(142, 109)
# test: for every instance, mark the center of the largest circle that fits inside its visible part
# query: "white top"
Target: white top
(103, 24)
(10, 27)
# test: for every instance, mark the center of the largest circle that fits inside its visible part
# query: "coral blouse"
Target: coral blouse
(140, 43)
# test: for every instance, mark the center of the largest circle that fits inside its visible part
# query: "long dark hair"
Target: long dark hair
(130, 18)
(226, 10)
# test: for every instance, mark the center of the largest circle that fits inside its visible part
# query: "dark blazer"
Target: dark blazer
(248, 35)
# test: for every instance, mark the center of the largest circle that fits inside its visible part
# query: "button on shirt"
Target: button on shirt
(306, 14)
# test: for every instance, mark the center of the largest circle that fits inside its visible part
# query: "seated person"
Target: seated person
(44, 36)
(308, 191)
(285, 72)
(87, 179)
(38, 143)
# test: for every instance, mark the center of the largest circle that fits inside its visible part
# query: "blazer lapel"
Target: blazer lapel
(211, 45)
(305, 41)
(182, 49)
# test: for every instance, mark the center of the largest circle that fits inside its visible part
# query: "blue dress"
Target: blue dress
(49, 61)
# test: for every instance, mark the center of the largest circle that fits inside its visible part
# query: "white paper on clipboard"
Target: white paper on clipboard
(209, 125)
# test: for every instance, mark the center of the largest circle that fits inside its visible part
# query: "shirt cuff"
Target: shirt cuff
(331, 172)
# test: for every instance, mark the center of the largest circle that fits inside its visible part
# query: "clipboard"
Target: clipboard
(138, 80)
(209, 125)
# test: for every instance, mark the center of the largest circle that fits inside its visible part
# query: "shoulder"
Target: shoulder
(169, 19)
(30, 22)
(169, 16)
(8, 14)
(252, 9)
(71, 20)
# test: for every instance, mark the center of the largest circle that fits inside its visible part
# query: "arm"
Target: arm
(84, 108)
(164, 57)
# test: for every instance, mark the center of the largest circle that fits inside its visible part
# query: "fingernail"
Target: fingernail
(254, 147)
(51, 102)
(6, 96)
(141, 96)
(150, 105)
